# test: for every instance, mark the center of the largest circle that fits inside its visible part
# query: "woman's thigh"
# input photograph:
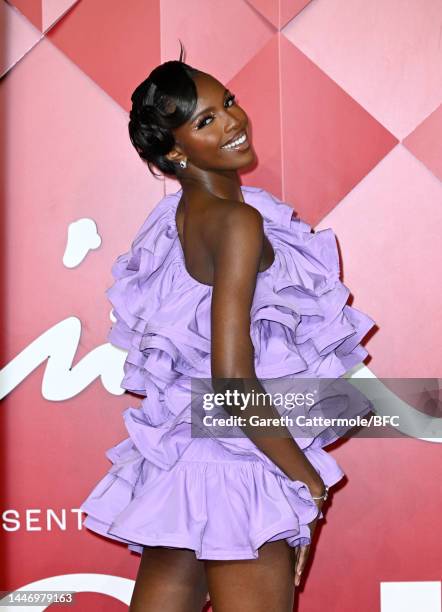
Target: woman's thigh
(255, 585)
(169, 580)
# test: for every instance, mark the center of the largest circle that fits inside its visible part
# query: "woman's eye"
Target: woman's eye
(232, 97)
(202, 122)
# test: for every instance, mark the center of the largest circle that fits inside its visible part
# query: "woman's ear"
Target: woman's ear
(174, 155)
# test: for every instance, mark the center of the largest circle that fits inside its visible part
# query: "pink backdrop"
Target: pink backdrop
(344, 98)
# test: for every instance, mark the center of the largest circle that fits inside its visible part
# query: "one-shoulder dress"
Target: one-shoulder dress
(221, 497)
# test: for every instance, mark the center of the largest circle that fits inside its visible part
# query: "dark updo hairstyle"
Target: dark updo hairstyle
(162, 102)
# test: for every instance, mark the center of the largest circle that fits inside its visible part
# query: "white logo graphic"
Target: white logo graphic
(82, 238)
(411, 596)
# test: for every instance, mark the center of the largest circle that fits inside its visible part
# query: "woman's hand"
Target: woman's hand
(303, 551)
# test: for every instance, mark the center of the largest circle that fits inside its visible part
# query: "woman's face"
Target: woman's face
(216, 121)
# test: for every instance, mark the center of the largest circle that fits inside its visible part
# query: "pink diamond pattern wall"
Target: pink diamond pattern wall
(344, 99)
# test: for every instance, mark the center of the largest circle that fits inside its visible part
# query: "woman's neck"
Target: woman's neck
(225, 187)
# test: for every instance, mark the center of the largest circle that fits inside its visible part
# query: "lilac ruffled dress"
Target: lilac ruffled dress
(221, 497)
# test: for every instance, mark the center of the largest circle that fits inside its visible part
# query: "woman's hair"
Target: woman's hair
(162, 102)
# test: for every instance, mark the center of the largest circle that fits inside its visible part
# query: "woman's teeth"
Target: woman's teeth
(235, 143)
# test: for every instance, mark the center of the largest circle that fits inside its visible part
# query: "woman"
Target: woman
(221, 281)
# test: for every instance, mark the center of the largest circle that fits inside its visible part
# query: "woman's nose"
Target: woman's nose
(232, 127)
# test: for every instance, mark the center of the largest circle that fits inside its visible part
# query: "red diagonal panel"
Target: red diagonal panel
(290, 8)
(279, 12)
(30, 9)
(424, 142)
(330, 142)
(117, 48)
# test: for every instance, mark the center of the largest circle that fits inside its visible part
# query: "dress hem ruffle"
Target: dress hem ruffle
(289, 528)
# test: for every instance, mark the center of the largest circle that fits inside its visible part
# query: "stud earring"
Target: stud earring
(183, 163)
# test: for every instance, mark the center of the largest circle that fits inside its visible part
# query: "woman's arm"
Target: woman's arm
(236, 255)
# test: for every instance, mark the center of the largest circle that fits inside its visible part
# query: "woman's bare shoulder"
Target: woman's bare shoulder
(222, 216)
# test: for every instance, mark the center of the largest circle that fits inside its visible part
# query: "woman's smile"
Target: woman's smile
(238, 144)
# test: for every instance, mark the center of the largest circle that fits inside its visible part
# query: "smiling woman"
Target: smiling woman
(221, 282)
(159, 121)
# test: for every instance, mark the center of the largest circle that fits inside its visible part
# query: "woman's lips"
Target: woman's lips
(241, 147)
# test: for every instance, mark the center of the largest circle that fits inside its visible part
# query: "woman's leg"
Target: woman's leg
(255, 585)
(169, 580)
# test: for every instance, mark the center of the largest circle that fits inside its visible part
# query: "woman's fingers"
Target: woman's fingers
(297, 556)
(302, 552)
(301, 561)
(297, 549)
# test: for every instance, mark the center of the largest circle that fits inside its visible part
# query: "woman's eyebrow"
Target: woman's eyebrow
(208, 108)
